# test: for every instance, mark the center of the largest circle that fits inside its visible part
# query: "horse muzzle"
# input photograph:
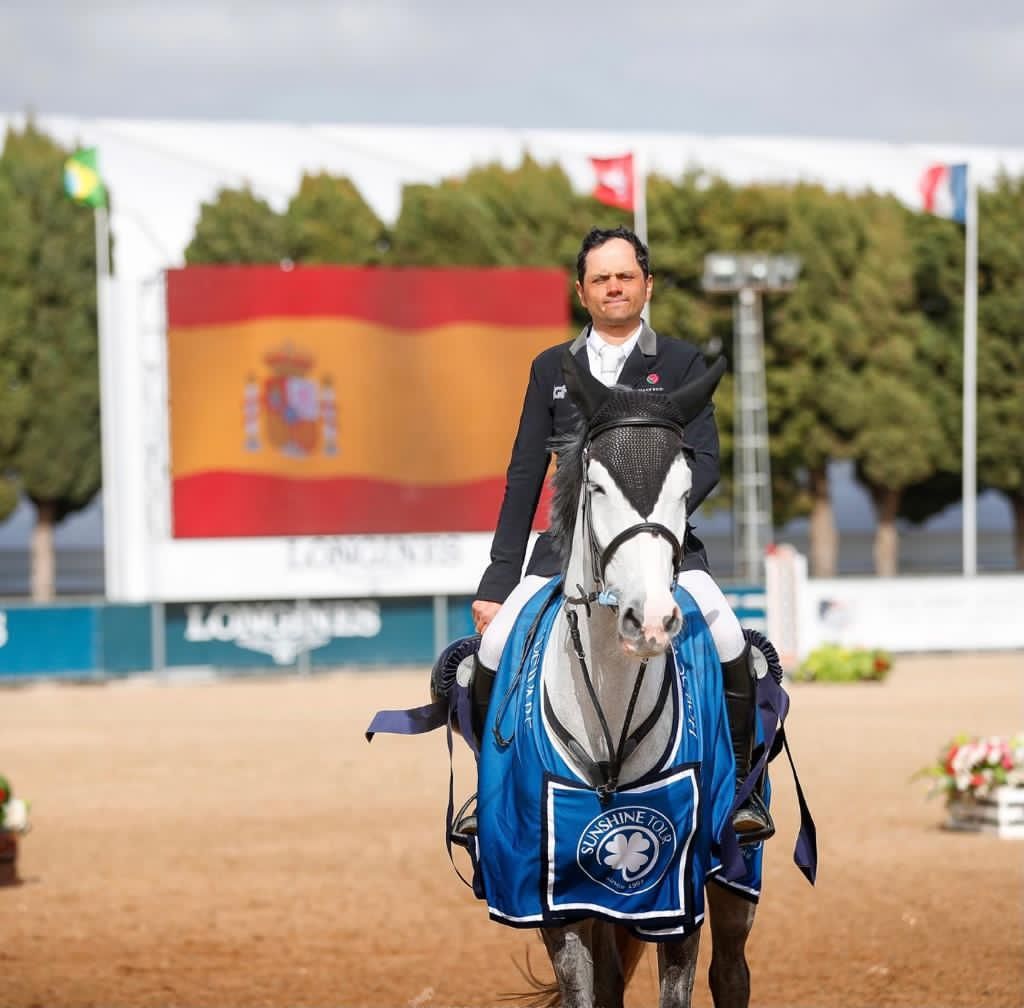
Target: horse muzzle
(644, 633)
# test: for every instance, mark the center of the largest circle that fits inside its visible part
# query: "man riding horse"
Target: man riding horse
(614, 284)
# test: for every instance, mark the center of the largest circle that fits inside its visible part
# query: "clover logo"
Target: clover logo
(627, 850)
(629, 853)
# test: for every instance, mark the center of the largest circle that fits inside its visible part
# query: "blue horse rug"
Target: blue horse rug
(552, 851)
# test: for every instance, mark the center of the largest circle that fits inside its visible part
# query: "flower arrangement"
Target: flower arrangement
(973, 767)
(834, 663)
(13, 811)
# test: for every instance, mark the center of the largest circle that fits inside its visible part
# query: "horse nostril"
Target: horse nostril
(630, 621)
(672, 622)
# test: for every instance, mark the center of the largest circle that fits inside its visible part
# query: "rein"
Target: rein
(604, 774)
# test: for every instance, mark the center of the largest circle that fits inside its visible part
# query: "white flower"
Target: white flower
(627, 854)
(15, 815)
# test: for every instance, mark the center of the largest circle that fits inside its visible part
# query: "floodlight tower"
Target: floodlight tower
(747, 276)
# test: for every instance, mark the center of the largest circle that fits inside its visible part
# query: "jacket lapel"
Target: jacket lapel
(639, 362)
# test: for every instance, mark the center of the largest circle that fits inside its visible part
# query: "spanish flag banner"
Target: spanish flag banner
(343, 400)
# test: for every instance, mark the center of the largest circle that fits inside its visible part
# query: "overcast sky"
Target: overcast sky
(899, 70)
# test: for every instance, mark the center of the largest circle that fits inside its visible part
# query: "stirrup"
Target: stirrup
(464, 825)
(753, 822)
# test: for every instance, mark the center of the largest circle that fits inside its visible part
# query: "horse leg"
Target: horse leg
(677, 966)
(616, 954)
(570, 949)
(731, 920)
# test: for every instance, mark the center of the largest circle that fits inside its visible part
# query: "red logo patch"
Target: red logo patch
(653, 379)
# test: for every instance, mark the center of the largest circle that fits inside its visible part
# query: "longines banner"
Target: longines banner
(281, 631)
(348, 401)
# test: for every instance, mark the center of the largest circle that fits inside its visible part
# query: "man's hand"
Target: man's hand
(483, 613)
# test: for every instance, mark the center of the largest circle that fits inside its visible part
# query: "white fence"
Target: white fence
(983, 613)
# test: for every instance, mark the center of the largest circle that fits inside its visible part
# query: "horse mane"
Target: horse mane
(566, 485)
(568, 449)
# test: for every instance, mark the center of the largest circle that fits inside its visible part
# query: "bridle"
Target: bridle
(604, 774)
(600, 558)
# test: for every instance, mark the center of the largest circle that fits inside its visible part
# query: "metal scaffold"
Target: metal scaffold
(747, 276)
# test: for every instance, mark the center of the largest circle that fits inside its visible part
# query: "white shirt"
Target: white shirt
(595, 344)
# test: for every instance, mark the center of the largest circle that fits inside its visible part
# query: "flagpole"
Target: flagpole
(640, 207)
(111, 492)
(970, 393)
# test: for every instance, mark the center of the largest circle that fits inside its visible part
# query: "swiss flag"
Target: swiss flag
(614, 181)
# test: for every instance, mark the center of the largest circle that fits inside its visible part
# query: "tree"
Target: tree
(818, 340)
(893, 409)
(238, 227)
(15, 302)
(685, 222)
(495, 216)
(1001, 348)
(938, 275)
(441, 226)
(328, 221)
(53, 445)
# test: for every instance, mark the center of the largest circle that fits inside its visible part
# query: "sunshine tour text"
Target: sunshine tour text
(632, 817)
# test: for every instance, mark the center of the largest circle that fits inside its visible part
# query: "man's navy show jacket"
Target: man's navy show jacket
(658, 365)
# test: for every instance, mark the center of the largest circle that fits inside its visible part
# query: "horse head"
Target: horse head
(620, 506)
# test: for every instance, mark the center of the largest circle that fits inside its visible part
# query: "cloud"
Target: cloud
(906, 71)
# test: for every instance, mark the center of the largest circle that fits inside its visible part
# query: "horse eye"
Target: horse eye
(593, 488)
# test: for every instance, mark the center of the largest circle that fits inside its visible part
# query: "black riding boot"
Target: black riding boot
(752, 821)
(480, 689)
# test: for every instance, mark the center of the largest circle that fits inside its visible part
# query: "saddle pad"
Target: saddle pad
(551, 852)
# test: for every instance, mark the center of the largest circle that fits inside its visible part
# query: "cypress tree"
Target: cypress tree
(50, 430)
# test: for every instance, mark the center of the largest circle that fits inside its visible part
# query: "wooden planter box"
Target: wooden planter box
(1002, 813)
(8, 858)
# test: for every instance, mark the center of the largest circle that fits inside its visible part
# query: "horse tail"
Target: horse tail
(544, 994)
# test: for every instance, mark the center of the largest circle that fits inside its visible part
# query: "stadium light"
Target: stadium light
(747, 275)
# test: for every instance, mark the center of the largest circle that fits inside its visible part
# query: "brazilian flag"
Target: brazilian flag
(82, 180)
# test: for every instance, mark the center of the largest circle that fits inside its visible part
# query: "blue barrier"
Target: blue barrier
(73, 641)
(97, 640)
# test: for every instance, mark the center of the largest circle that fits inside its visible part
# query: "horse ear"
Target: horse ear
(584, 389)
(694, 396)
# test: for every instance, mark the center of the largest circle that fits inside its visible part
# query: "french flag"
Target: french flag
(944, 191)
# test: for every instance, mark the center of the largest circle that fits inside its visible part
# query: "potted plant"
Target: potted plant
(982, 781)
(835, 663)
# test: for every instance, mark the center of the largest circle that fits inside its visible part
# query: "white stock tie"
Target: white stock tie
(611, 361)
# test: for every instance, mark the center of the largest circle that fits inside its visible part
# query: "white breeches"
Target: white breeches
(722, 622)
(493, 641)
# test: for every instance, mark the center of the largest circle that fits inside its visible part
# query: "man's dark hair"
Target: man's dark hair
(598, 236)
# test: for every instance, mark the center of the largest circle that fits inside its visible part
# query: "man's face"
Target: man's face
(614, 289)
